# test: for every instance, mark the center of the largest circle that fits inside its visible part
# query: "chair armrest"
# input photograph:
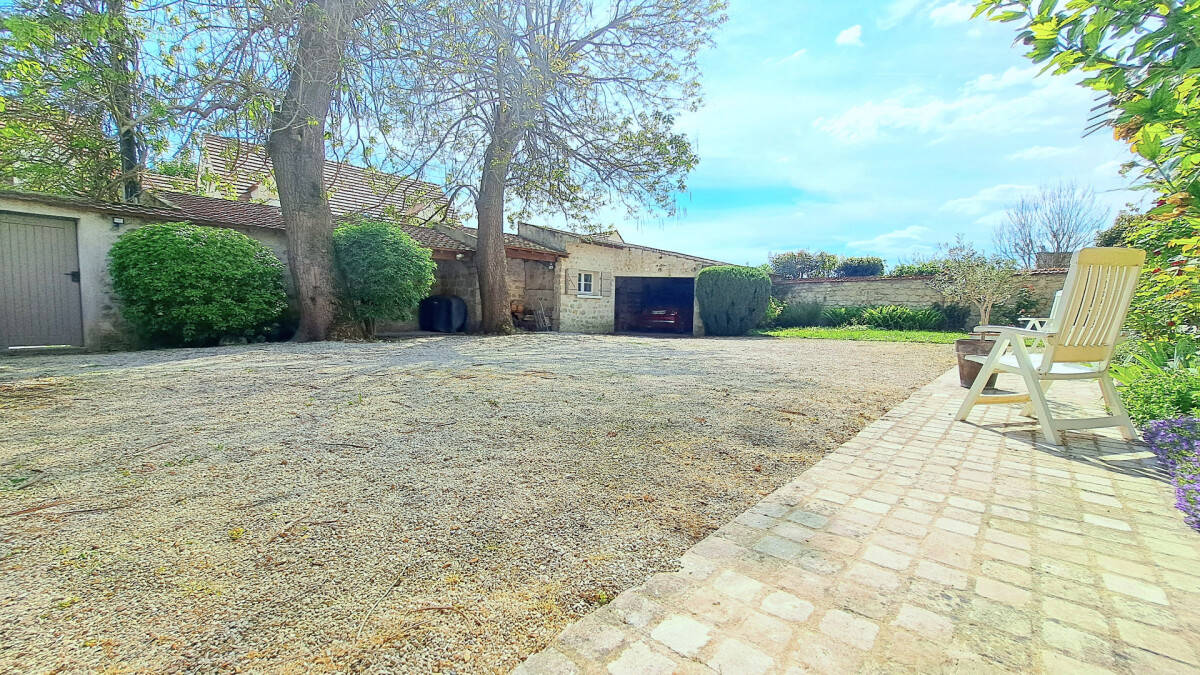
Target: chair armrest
(1020, 332)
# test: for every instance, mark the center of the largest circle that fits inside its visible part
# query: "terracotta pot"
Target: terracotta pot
(968, 370)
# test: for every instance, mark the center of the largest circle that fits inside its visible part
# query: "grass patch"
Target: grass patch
(866, 334)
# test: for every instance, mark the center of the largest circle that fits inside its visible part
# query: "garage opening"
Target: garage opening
(654, 305)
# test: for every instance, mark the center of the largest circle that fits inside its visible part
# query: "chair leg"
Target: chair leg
(1037, 398)
(989, 366)
(1027, 409)
(1117, 408)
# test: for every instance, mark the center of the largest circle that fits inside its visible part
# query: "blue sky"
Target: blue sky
(880, 127)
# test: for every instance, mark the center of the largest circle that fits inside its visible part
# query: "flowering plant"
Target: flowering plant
(1176, 443)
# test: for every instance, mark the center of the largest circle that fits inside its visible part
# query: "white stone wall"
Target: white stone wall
(582, 314)
(911, 292)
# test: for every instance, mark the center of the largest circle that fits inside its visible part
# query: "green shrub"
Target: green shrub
(927, 268)
(860, 267)
(1009, 312)
(895, 317)
(955, 317)
(1161, 378)
(927, 318)
(841, 316)
(1162, 395)
(800, 315)
(771, 315)
(732, 299)
(384, 273)
(184, 284)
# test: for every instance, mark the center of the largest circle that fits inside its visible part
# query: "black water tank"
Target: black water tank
(442, 313)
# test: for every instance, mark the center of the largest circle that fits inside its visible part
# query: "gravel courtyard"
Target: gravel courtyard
(432, 504)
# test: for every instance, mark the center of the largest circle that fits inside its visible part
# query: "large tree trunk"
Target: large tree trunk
(296, 147)
(122, 50)
(490, 261)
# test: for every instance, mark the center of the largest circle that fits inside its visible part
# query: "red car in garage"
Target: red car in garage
(659, 318)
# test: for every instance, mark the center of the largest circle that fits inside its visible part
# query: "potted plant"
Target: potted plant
(970, 278)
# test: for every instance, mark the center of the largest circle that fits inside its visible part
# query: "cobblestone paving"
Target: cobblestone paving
(925, 544)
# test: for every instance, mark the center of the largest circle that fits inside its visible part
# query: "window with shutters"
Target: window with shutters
(586, 284)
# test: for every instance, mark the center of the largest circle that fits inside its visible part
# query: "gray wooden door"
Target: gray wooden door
(39, 281)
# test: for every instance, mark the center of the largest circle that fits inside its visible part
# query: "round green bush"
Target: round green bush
(860, 267)
(732, 298)
(383, 271)
(183, 284)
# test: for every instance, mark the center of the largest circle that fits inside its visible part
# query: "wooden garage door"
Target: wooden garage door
(39, 281)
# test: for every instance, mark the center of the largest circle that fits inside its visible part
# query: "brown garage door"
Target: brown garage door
(39, 281)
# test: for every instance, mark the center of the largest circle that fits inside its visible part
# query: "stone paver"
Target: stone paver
(927, 544)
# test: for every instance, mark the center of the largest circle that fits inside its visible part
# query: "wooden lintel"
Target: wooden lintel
(449, 254)
(529, 254)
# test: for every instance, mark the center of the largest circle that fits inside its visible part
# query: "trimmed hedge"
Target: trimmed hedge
(384, 272)
(184, 284)
(732, 298)
(860, 267)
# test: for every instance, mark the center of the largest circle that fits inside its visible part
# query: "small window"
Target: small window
(586, 284)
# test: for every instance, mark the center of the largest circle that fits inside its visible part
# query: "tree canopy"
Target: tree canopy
(554, 105)
(1144, 60)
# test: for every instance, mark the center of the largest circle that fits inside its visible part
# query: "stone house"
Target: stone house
(606, 284)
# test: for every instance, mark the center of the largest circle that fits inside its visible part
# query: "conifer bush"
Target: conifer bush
(732, 299)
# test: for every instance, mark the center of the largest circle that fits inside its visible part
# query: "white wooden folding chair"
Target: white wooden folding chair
(1079, 339)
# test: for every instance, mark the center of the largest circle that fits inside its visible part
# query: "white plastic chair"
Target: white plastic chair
(1079, 336)
(1039, 323)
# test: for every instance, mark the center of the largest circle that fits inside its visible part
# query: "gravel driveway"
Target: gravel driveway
(433, 504)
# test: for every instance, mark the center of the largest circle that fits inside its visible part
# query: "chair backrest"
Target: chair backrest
(1095, 298)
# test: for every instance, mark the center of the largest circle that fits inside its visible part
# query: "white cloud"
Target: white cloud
(986, 200)
(897, 11)
(1112, 168)
(1040, 152)
(794, 56)
(955, 12)
(851, 37)
(981, 109)
(1010, 78)
(905, 241)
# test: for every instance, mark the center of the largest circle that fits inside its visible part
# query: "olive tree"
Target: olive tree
(554, 105)
(970, 278)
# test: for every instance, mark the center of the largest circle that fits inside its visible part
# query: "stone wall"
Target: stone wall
(904, 291)
(529, 282)
(597, 313)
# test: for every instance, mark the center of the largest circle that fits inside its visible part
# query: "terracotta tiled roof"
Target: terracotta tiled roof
(427, 236)
(517, 241)
(606, 238)
(353, 190)
(211, 210)
(111, 208)
(158, 181)
(226, 212)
